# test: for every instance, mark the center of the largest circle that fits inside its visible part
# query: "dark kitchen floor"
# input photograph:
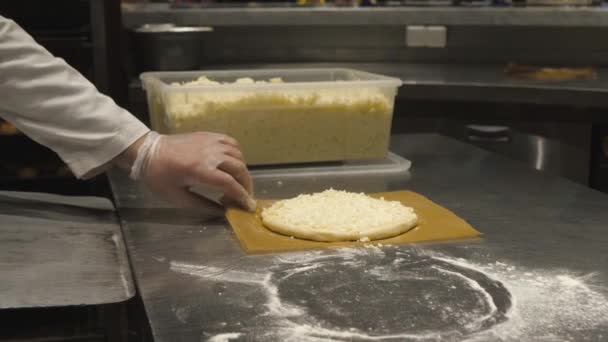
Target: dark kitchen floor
(73, 324)
(67, 186)
(51, 324)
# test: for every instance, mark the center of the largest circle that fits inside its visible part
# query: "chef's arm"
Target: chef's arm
(56, 106)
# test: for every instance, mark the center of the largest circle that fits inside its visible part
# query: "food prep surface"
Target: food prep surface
(61, 251)
(538, 271)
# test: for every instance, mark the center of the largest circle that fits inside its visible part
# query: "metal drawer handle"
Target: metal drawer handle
(482, 133)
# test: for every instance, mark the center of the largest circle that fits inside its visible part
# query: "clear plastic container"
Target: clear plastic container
(364, 176)
(392, 165)
(280, 116)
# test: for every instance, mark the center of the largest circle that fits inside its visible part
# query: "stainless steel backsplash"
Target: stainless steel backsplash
(478, 44)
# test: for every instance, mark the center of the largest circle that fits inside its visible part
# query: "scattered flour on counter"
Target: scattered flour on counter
(124, 273)
(300, 269)
(275, 305)
(314, 256)
(301, 258)
(550, 305)
(218, 273)
(547, 305)
(304, 332)
(225, 337)
(475, 286)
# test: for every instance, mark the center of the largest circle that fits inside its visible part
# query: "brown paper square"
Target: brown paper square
(435, 223)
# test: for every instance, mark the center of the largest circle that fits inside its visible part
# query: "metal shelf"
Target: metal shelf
(365, 16)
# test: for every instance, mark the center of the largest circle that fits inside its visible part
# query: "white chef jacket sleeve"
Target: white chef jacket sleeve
(56, 106)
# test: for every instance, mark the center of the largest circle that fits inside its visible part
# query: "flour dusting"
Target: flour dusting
(218, 273)
(275, 305)
(540, 305)
(550, 305)
(225, 337)
(492, 309)
(305, 332)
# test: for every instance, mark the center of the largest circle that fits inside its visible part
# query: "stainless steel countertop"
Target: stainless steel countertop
(61, 251)
(539, 271)
(134, 16)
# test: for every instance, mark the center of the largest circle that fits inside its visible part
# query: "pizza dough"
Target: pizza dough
(334, 215)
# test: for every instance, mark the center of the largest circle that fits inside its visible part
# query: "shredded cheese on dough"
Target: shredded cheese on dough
(338, 211)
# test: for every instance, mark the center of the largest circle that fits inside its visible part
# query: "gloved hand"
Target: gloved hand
(171, 164)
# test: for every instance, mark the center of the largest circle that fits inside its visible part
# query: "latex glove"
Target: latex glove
(171, 164)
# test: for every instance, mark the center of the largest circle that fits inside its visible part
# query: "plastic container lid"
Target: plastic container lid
(392, 164)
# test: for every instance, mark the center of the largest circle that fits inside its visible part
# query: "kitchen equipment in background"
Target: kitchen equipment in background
(67, 36)
(191, 3)
(362, 3)
(563, 149)
(280, 116)
(474, 3)
(527, 72)
(487, 133)
(345, 2)
(310, 2)
(428, 2)
(169, 47)
(8, 129)
(560, 2)
(599, 161)
(241, 3)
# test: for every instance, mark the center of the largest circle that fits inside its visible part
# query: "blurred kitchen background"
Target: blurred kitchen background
(527, 79)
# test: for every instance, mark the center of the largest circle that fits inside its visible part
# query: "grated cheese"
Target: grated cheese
(333, 213)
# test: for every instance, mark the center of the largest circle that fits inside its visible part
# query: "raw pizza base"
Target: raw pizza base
(379, 232)
(331, 216)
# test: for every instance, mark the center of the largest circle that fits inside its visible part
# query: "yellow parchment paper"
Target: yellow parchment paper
(434, 223)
